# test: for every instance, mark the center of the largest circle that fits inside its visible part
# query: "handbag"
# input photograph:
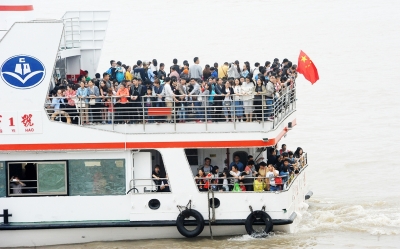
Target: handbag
(236, 188)
(80, 103)
(92, 102)
(207, 184)
(278, 180)
(227, 103)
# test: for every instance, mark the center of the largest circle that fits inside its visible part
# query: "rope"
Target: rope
(212, 207)
(188, 206)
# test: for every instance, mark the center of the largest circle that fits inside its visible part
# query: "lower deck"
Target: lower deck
(92, 187)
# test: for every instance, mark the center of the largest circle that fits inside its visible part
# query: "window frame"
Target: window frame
(65, 193)
(162, 164)
(71, 177)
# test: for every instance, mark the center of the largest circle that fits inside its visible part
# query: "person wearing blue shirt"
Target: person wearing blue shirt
(214, 72)
(120, 72)
(150, 75)
(58, 101)
(82, 94)
(237, 162)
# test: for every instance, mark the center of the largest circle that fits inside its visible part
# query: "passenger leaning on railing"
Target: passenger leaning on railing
(58, 102)
(238, 100)
(83, 101)
(272, 174)
(227, 91)
(259, 91)
(148, 101)
(169, 97)
(262, 171)
(248, 173)
(103, 93)
(136, 92)
(200, 179)
(197, 104)
(109, 104)
(70, 108)
(122, 105)
(203, 98)
(269, 98)
(218, 99)
(247, 96)
(94, 103)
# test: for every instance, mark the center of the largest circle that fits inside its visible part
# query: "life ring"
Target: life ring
(258, 216)
(66, 115)
(199, 223)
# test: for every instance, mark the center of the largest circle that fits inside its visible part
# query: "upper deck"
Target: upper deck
(153, 117)
(28, 124)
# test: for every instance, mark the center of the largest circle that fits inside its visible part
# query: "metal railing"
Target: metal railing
(69, 32)
(147, 185)
(112, 111)
(216, 183)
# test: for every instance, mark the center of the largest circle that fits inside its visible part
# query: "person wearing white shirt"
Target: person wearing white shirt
(271, 174)
(247, 91)
(169, 97)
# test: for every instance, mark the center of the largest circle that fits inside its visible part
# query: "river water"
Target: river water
(347, 121)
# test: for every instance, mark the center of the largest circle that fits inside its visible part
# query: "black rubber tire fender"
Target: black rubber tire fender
(199, 223)
(257, 216)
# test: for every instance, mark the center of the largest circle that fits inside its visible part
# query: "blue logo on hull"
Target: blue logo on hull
(22, 71)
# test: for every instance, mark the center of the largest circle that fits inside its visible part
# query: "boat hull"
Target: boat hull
(45, 237)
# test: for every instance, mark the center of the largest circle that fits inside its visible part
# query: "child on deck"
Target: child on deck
(242, 187)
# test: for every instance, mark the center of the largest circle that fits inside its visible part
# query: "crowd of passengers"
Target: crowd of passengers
(226, 93)
(274, 175)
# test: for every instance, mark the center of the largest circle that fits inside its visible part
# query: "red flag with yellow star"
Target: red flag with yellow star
(307, 68)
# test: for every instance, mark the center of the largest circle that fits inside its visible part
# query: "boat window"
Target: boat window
(192, 156)
(149, 174)
(3, 180)
(37, 178)
(96, 177)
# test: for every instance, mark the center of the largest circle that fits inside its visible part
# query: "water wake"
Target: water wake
(376, 218)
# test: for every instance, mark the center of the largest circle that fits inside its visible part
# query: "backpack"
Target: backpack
(211, 98)
(137, 75)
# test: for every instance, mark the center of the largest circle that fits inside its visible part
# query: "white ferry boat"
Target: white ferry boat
(63, 183)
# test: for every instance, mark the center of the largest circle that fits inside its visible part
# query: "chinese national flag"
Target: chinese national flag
(307, 68)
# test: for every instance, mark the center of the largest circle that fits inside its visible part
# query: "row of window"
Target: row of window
(68, 177)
